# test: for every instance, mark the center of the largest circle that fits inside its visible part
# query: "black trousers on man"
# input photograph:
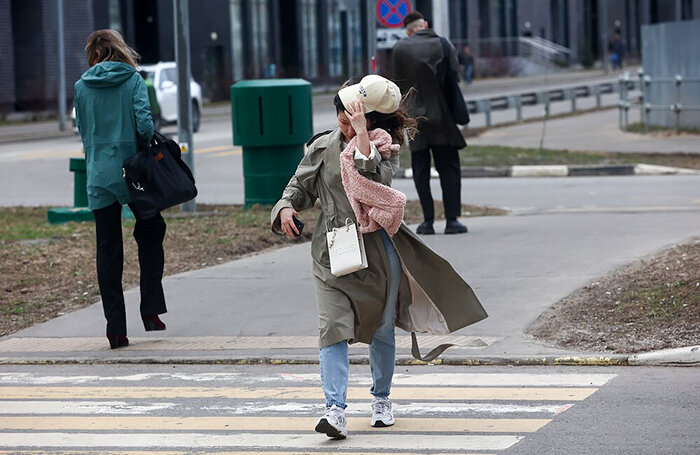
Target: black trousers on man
(149, 235)
(447, 164)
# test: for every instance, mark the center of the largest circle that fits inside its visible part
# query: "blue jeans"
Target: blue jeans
(468, 70)
(382, 350)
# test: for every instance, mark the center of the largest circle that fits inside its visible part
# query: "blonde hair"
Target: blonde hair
(413, 27)
(109, 46)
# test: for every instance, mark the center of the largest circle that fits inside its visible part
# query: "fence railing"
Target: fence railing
(644, 82)
(545, 96)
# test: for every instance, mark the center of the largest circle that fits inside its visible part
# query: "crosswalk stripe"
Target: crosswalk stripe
(160, 452)
(437, 379)
(287, 393)
(253, 423)
(43, 407)
(80, 407)
(376, 441)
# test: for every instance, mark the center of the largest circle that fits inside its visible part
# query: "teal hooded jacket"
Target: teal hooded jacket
(111, 109)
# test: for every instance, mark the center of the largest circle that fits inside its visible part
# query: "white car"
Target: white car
(164, 77)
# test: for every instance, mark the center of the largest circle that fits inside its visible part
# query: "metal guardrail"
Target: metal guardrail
(546, 96)
(644, 82)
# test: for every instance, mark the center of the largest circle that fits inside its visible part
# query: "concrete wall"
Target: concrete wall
(667, 50)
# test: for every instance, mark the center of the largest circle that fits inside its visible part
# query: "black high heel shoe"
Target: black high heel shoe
(117, 341)
(151, 323)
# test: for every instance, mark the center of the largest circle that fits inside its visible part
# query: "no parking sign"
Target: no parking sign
(390, 13)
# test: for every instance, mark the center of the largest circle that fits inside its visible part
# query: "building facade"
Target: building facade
(324, 41)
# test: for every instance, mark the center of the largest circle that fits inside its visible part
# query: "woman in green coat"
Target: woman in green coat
(112, 113)
(406, 284)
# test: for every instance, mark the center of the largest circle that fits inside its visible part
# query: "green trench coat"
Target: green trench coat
(433, 298)
(111, 109)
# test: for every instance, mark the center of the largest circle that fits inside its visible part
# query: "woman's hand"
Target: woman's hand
(355, 111)
(356, 114)
(287, 222)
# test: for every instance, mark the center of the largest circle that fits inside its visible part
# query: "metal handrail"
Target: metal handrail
(550, 44)
(520, 46)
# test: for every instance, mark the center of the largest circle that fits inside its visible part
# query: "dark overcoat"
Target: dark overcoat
(419, 62)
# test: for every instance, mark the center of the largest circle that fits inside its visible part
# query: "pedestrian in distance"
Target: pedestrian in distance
(112, 114)
(617, 51)
(405, 284)
(420, 61)
(466, 59)
(152, 99)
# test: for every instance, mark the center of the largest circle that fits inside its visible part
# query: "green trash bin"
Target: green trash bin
(272, 119)
(80, 211)
(78, 168)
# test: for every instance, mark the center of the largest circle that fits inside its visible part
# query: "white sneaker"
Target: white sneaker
(381, 413)
(333, 423)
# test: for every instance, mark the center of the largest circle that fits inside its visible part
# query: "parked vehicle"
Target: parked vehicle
(164, 77)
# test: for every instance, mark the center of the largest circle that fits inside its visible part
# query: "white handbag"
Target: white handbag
(346, 249)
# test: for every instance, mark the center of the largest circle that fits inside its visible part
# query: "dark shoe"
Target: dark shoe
(151, 323)
(425, 228)
(455, 227)
(117, 341)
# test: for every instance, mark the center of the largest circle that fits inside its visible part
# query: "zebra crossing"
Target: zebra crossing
(232, 413)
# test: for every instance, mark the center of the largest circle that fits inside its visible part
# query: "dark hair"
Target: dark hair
(412, 16)
(395, 123)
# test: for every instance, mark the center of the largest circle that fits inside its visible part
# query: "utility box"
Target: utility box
(272, 119)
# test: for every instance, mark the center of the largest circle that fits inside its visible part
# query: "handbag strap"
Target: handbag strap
(432, 355)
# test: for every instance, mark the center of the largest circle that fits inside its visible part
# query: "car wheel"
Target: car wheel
(196, 116)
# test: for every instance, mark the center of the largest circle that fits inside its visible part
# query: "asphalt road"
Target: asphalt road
(273, 409)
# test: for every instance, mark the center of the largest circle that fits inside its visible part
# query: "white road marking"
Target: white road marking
(359, 408)
(81, 407)
(373, 440)
(356, 408)
(438, 379)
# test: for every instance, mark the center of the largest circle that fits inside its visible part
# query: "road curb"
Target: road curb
(686, 356)
(477, 360)
(558, 171)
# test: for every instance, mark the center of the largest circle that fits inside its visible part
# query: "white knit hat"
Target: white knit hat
(376, 92)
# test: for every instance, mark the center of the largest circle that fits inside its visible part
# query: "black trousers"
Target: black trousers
(447, 164)
(149, 235)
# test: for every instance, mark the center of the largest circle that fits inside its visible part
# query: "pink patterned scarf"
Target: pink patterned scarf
(375, 205)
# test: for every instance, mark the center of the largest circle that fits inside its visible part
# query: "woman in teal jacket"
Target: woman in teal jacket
(112, 113)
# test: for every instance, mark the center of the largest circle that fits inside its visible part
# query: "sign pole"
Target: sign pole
(61, 69)
(184, 103)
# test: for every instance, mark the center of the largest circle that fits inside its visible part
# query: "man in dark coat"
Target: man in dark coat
(419, 66)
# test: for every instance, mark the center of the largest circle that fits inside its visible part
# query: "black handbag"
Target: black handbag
(452, 92)
(157, 177)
